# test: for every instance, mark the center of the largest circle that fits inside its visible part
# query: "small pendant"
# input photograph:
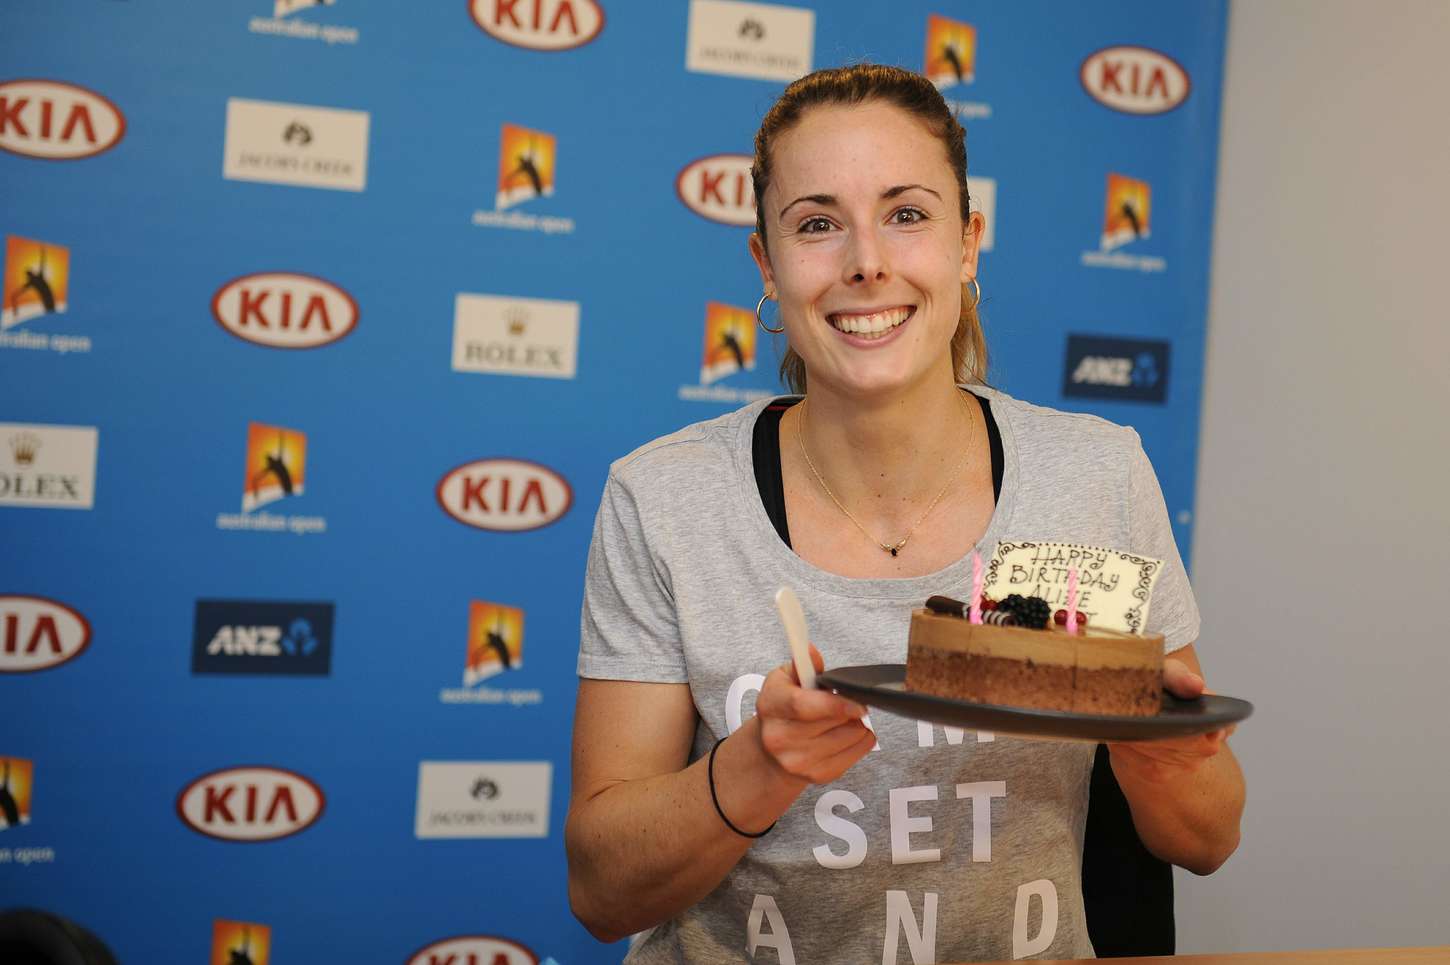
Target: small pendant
(893, 550)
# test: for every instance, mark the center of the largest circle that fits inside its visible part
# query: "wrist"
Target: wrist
(749, 787)
(1134, 769)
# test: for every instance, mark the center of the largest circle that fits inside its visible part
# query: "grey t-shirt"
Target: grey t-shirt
(939, 845)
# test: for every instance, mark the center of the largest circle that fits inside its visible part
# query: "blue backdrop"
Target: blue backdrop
(405, 155)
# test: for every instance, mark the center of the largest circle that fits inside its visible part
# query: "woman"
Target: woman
(887, 840)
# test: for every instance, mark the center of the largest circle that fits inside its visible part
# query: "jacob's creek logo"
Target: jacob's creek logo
(515, 336)
(16, 777)
(526, 163)
(1134, 80)
(250, 804)
(255, 637)
(761, 40)
(504, 495)
(50, 467)
(276, 468)
(474, 950)
(56, 121)
(282, 23)
(550, 25)
(1132, 370)
(950, 60)
(283, 309)
(729, 348)
(719, 188)
(495, 646)
(296, 144)
(37, 633)
(240, 943)
(483, 799)
(36, 288)
(1127, 218)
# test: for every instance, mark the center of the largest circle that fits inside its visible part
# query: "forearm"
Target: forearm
(1188, 819)
(642, 851)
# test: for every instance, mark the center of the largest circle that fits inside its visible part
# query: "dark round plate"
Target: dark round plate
(884, 685)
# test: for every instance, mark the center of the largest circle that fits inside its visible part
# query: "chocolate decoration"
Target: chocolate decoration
(946, 606)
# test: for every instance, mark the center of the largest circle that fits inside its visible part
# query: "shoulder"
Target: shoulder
(1041, 429)
(701, 452)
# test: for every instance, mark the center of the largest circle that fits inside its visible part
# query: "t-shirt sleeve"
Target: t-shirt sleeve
(628, 629)
(1173, 612)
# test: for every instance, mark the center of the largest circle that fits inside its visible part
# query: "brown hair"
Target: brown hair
(917, 96)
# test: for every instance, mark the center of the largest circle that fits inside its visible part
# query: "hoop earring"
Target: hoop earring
(761, 322)
(977, 286)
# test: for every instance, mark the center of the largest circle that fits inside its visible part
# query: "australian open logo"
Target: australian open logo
(1129, 370)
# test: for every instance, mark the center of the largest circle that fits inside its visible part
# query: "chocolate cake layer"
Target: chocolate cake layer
(1095, 671)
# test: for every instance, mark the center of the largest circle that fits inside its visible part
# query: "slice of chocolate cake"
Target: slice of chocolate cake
(1094, 671)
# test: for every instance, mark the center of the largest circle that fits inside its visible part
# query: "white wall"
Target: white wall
(1322, 561)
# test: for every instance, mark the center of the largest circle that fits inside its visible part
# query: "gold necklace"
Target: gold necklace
(891, 548)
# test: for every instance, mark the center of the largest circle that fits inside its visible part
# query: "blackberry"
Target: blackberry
(1029, 611)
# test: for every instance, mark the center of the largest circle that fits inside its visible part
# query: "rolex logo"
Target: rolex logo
(24, 446)
(517, 320)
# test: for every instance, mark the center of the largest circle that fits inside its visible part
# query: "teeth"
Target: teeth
(870, 326)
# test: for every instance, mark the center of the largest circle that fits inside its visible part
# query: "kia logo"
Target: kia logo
(505, 495)
(56, 121)
(250, 804)
(718, 187)
(549, 25)
(1134, 80)
(474, 948)
(37, 633)
(283, 309)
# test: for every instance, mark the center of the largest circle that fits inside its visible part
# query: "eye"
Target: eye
(907, 216)
(814, 226)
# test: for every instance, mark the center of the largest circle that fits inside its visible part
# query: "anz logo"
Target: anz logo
(1099, 367)
(264, 641)
(257, 637)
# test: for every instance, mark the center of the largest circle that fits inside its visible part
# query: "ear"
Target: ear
(972, 244)
(762, 262)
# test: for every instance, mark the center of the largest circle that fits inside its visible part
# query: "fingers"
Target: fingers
(782, 696)
(814, 735)
(1180, 681)
(817, 659)
(823, 758)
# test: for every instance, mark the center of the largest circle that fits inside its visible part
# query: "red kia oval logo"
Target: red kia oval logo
(283, 309)
(718, 187)
(505, 495)
(1135, 80)
(550, 25)
(37, 633)
(250, 804)
(467, 949)
(56, 121)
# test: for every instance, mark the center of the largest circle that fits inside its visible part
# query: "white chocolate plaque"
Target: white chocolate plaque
(1114, 588)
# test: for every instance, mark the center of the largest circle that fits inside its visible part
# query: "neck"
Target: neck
(887, 454)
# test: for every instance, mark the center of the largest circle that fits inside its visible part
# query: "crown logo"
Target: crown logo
(24, 446)
(517, 319)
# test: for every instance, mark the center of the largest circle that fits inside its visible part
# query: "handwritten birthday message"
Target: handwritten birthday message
(1114, 588)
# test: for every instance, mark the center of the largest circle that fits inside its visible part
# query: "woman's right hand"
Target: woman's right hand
(813, 736)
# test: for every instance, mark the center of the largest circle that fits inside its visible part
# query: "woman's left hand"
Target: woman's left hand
(1159, 761)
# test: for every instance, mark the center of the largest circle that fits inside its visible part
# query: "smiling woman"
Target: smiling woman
(806, 828)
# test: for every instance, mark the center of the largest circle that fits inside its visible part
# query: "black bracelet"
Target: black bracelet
(710, 770)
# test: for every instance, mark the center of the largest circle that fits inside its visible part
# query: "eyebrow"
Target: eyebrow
(887, 195)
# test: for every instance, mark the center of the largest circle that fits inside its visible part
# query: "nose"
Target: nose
(865, 259)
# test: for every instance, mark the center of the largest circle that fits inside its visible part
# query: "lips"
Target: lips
(870, 325)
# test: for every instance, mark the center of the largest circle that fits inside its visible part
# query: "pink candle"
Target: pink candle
(975, 614)
(1072, 599)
